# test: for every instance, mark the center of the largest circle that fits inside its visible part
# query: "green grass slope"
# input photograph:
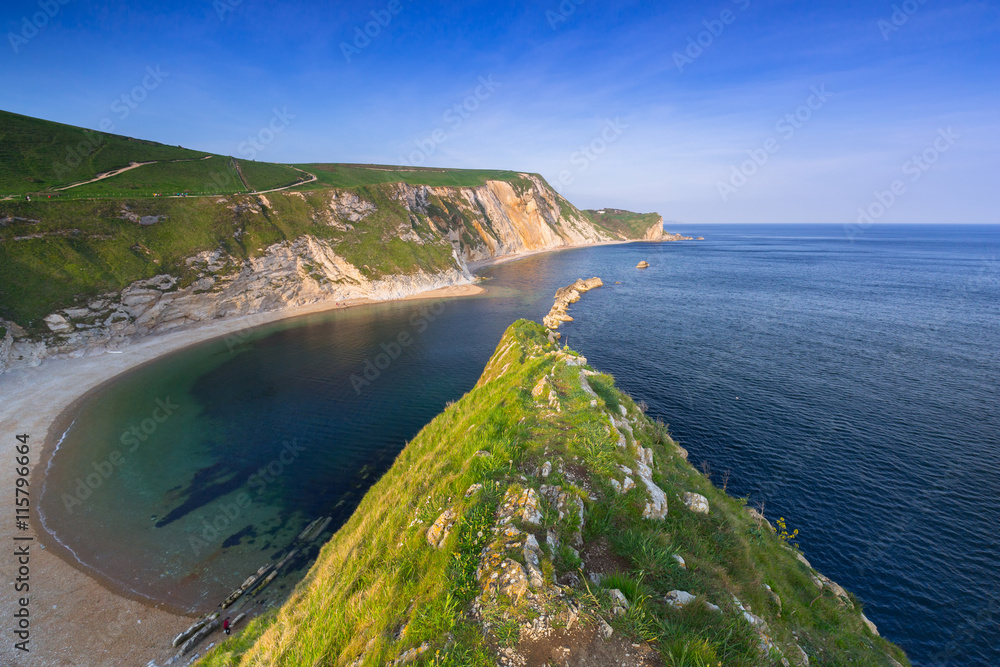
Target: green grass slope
(351, 175)
(623, 222)
(42, 157)
(37, 155)
(380, 594)
(57, 254)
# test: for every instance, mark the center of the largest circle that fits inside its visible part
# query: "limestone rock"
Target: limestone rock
(680, 560)
(521, 505)
(871, 626)
(799, 656)
(542, 388)
(566, 296)
(532, 559)
(774, 597)
(513, 582)
(473, 490)
(498, 573)
(656, 506)
(606, 630)
(679, 599)
(697, 503)
(759, 518)
(642, 265)
(837, 590)
(437, 534)
(412, 654)
(619, 603)
(58, 324)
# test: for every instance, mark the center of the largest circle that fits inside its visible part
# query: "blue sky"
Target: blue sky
(682, 108)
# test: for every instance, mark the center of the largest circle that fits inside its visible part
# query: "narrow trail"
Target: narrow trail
(130, 167)
(312, 178)
(109, 174)
(135, 165)
(239, 172)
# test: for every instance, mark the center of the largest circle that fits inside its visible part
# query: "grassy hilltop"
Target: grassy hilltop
(634, 224)
(43, 159)
(66, 247)
(512, 526)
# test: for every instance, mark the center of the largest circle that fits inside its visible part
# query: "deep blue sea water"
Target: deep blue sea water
(851, 386)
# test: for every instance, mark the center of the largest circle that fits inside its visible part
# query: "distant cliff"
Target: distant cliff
(87, 275)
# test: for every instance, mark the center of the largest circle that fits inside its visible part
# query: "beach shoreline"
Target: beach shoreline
(78, 617)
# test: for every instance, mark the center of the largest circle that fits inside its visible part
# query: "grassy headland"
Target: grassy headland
(625, 222)
(542, 431)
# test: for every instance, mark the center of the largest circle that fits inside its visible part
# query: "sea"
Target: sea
(846, 380)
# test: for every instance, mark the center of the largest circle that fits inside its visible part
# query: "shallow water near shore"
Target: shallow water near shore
(850, 386)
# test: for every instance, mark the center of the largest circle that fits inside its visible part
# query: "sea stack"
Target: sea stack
(642, 265)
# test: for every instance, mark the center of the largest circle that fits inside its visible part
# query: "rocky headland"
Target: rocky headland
(566, 296)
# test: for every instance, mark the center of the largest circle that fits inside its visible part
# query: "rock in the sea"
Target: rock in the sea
(642, 265)
(564, 297)
(696, 502)
(438, 533)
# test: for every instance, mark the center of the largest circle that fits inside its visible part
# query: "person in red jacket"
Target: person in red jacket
(225, 626)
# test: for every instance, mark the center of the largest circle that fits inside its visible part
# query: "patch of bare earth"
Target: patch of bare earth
(579, 647)
(598, 557)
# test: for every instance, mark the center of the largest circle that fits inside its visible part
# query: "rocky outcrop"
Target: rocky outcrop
(438, 533)
(642, 265)
(696, 502)
(655, 233)
(566, 296)
(502, 218)
(6, 341)
(289, 275)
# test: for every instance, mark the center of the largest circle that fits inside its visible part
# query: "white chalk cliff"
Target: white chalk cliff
(497, 219)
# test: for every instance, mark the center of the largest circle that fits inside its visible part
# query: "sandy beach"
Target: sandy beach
(74, 620)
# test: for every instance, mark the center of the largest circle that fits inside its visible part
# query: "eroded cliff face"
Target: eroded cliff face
(497, 219)
(500, 219)
(655, 233)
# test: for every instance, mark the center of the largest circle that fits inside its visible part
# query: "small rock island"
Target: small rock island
(564, 297)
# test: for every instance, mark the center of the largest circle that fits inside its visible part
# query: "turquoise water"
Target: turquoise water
(850, 386)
